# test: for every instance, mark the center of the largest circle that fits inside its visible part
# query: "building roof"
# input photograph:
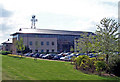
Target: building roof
(47, 31)
(8, 42)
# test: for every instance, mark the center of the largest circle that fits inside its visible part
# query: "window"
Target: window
(47, 51)
(30, 43)
(52, 43)
(42, 43)
(4, 44)
(36, 51)
(47, 43)
(52, 50)
(42, 50)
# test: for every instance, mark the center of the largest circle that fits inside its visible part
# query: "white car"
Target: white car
(62, 58)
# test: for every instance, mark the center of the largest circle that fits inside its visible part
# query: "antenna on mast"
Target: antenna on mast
(33, 20)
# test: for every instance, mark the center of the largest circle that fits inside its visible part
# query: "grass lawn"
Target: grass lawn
(14, 68)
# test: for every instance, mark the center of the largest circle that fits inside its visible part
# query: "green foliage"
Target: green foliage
(114, 64)
(71, 49)
(107, 36)
(100, 66)
(90, 64)
(26, 50)
(84, 62)
(5, 52)
(84, 44)
(72, 59)
(20, 46)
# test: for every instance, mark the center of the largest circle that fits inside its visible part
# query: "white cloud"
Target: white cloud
(83, 14)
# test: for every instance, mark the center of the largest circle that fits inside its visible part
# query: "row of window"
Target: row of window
(42, 43)
(42, 50)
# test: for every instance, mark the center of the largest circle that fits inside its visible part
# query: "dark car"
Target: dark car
(41, 55)
(36, 55)
(57, 57)
(31, 54)
(51, 56)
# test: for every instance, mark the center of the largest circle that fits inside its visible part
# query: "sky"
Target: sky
(74, 15)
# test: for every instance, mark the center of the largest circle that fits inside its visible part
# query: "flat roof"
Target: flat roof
(47, 31)
(8, 42)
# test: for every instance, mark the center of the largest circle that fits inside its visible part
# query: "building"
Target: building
(46, 40)
(0, 47)
(7, 45)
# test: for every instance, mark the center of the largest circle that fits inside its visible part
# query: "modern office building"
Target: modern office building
(46, 40)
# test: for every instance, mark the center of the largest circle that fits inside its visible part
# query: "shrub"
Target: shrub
(100, 66)
(72, 59)
(5, 52)
(114, 64)
(80, 59)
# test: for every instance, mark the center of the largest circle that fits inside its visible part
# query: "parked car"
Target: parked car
(40, 56)
(57, 57)
(31, 54)
(51, 56)
(45, 56)
(68, 58)
(61, 53)
(78, 54)
(27, 54)
(65, 54)
(36, 55)
(91, 55)
(73, 54)
(63, 58)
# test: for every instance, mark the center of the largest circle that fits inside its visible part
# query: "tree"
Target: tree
(27, 49)
(107, 36)
(20, 46)
(85, 43)
(71, 49)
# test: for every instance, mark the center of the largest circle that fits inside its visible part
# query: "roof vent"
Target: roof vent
(20, 29)
(8, 40)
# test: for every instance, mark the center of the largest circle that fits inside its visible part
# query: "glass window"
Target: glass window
(42, 43)
(47, 43)
(42, 50)
(47, 51)
(30, 43)
(52, 50)
(52, 43)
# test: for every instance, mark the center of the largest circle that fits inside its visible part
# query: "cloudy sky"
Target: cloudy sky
(76, 15)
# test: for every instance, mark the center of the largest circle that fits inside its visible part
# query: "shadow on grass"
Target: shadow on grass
(17, 57)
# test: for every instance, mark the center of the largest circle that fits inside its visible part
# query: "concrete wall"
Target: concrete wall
(39, 47)
(7, 47)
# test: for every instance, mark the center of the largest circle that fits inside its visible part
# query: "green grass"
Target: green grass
(14, 68)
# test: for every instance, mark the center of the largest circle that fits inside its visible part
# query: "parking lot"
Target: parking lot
(61, 56)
